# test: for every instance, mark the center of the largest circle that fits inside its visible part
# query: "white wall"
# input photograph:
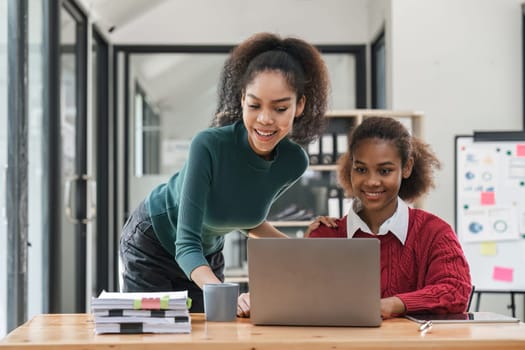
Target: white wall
(460, 62)
(378, 12)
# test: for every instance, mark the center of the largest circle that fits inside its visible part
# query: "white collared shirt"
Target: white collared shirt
(397, 223)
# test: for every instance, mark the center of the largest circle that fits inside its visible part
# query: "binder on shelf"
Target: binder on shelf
(314, 152)
(334, 203)
(346, 204)
(341, 144)
(327, 149)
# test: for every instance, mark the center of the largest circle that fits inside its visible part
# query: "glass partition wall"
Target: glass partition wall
(69, 180)
(3, 167)
(25, 276)
(37, 294)
(34, 106)
(74, 177)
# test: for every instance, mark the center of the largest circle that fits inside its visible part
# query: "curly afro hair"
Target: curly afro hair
(420, 181)
(299, 62)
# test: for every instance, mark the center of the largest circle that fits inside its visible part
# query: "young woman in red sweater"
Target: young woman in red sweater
(423, 268)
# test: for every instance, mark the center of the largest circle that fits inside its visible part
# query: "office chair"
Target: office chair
(471, 297)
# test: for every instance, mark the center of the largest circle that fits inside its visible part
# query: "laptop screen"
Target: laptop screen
(314, 282)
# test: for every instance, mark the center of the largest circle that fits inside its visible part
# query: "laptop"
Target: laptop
(314, 281)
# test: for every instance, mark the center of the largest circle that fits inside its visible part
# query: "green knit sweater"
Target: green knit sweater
(224, 186)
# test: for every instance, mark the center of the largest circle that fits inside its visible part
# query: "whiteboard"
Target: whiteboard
(490, 210)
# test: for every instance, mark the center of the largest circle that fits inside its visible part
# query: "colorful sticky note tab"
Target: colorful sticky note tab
(520, 150)
(488, 248)
(488, 198)
(150, 303)
(504, 274)
(164, 302)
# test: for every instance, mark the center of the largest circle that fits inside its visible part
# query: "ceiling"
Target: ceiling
(110, 15)
(227, 21)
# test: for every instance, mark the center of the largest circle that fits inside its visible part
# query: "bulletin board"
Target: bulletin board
(490, 207)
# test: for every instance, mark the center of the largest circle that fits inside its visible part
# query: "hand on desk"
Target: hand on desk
(243, 305)
(390, 307)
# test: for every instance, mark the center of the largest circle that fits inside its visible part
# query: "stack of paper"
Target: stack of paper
(161, 312)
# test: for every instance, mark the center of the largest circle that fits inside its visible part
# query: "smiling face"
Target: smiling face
(377, 172)
(269, 107)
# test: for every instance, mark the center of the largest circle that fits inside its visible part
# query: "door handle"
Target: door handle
(91, 195)
(92, 198)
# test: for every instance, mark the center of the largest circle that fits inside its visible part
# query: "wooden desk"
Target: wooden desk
(76, 332)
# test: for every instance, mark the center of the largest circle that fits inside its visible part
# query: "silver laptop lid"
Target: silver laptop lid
(314, 281)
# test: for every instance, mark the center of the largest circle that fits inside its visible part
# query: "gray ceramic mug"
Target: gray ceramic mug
(220, 301)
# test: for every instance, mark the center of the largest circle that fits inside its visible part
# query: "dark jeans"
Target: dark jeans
(148, 267)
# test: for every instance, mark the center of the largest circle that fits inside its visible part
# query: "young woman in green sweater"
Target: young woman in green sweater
(273, 95)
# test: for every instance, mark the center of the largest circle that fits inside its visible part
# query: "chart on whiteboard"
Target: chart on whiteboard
(490, 187)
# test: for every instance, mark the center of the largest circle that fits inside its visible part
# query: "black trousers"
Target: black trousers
(148, 267)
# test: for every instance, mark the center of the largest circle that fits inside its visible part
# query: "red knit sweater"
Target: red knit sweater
(429, 273)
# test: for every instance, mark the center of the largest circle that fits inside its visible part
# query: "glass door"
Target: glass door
(74, 178)
(103, 252)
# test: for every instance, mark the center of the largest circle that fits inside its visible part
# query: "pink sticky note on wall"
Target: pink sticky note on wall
(488, 198)
(520, 150)
(504, 274)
